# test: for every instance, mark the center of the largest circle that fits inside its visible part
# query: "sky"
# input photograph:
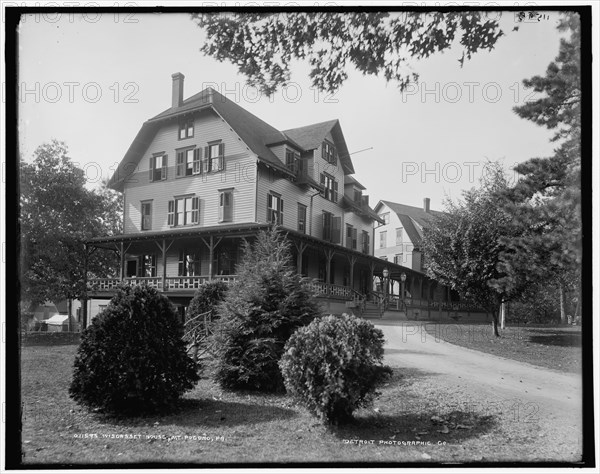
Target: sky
(91, 81)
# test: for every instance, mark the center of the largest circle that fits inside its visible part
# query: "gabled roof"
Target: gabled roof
(310, 137)
(413, 219)
(255, 133)
(352, 180)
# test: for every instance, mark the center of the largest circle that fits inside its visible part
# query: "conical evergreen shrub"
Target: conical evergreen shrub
(261, 310)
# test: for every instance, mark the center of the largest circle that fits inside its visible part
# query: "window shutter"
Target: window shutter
(181, 266)
(205, 165)
(324, 151)
(151, 170)
(322, 182)
(196, 169)
(221, 149)
(354, 238)
(269, 204)
(180, 164)
(171, 213)
(335, 191)
(195, 210)
(337, 224)
(164, 168)
(335, 156)
(280, 217)
(207, 156)
(221, 206)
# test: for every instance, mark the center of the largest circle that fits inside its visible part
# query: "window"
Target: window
(183, 211)
(226, 206)
(293, 161)
(358, 196)
(301, 218)
(330, 186)
(214, 155)
(148, 265)
(399, 236)
(189, 263)
(351, 237)
(366, 242)
(386, 217)
(158, 167)
(274, 209)
(147, 215)
(331, 227)
(383, 239)
(186, 129)
(188, 162)
(398, 258)
(329, 153)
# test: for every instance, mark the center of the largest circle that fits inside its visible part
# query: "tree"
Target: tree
(57, 215)
(547, 199)
(464, 245)
(262, 308)
(262, 45)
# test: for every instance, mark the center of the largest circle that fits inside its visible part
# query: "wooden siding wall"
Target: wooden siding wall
(239, 173)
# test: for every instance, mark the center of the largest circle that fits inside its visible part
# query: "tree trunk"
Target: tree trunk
(503, 315)
(495, 322)
(563, 313)
(69, 311)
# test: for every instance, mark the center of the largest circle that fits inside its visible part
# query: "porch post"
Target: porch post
(300, 247)
(122, 261)
(371, 271)
(164, 264)
(329, 256)
(352, 263)
(211, 253)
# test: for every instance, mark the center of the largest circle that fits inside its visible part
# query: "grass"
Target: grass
(253, 428)
(557, 348)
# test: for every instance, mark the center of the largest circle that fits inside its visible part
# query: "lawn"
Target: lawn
(556, 348)
(442, 423)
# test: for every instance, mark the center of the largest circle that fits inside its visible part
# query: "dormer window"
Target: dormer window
(329, 153)
(186, 129)
(292, 161)
(358, 196)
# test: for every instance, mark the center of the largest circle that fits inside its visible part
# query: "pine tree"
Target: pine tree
(261, 310)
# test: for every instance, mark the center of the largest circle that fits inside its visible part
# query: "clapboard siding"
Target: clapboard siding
(239, 174)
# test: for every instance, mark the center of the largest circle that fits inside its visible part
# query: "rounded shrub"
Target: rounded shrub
(333, 366)
(132, 358)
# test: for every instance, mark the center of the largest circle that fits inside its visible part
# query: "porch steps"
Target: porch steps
(372, 312)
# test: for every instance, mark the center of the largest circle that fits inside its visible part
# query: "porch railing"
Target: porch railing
(171, 283)
(334, 291)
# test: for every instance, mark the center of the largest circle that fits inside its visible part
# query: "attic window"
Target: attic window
(329, 153)
(186, 128)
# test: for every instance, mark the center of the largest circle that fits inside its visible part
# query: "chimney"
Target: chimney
(177, 99)
(426, 202)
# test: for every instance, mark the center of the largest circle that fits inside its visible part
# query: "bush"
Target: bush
(205, 299)
(261, 310)
(333, 366)
(132, 357)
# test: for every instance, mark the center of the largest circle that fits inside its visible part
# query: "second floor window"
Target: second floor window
(366, 242)
(158, 167)
(399, 236)
(226, 206)
(302, 218)
(383, 239)
(274, 209)
(398, 259)
(147, 215)
(351, 237)
(188, 162)
(330, 186)
(183, 211)
(186, 129)
(214, 156)
(331, 227)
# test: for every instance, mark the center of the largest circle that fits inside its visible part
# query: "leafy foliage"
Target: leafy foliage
(261, 310)
(57, 215)
(263, 45)
(334, 365)
(463, 247)
(546, 201)
(132, 357)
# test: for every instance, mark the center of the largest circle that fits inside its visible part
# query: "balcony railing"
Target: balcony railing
(333, 291)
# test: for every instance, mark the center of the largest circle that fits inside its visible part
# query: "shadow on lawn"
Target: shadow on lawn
(557, 339)
(207, 413)
(453, 427)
